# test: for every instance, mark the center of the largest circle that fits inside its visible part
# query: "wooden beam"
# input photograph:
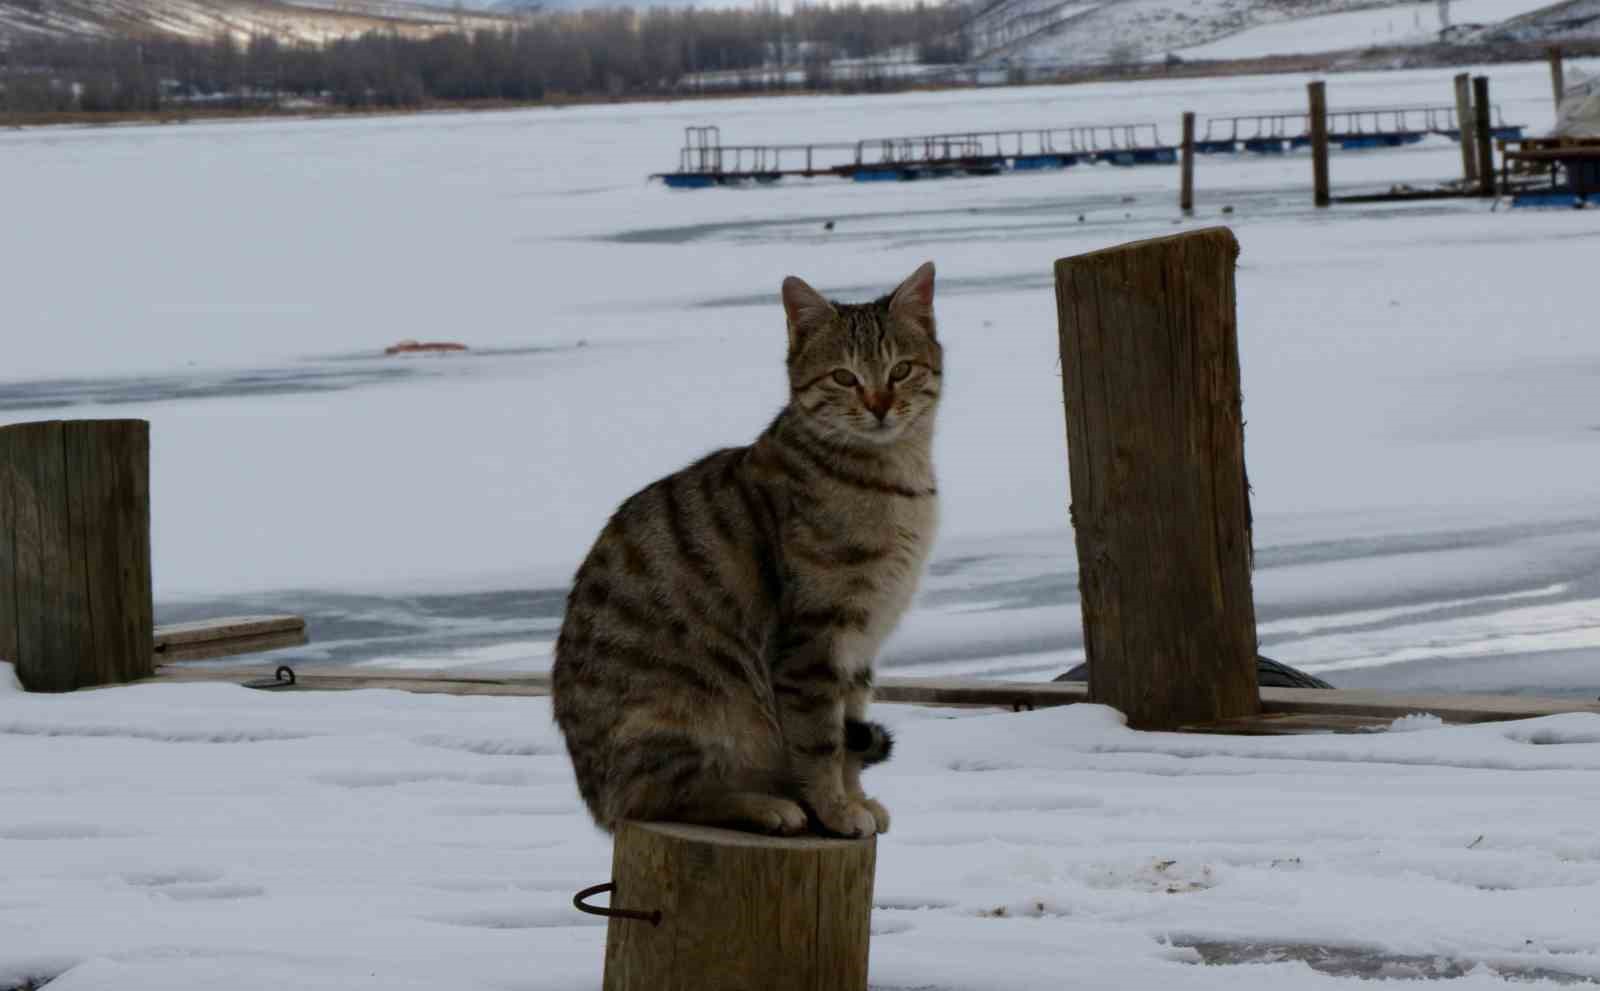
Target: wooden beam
(227, 637)
(1160, 505)
(337, 679)
(1450, 708)
(1317, 93)
(971, 691)
(1186, 191)
(1405, 197)
(1468, 127)
(1349, 707)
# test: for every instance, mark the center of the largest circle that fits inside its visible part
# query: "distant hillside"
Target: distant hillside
(1093, 32)
(302, 20)
(1565, 21)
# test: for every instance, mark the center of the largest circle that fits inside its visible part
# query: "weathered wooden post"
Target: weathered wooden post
(75, 592)
(715, 910)
(1160, 504)
(1318, 94)
(1186, 194)
(1483, 128)
(1464, 123)
(1558, 76)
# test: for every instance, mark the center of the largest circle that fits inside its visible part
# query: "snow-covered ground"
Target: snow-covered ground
(196, 837)
(1402, 24)
(1419, 381)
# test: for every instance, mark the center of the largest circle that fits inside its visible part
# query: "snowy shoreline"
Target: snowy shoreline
(181, 837)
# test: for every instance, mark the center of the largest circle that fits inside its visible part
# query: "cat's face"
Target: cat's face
(864, 373)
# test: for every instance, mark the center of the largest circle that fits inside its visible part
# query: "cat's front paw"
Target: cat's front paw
(782, 818)
(846, 817)
(879, 813)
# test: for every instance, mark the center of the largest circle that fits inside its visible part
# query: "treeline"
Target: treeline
(613, 52)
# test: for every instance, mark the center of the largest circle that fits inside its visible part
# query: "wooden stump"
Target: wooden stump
(1160, 503)
(75, 593)
(739, 912)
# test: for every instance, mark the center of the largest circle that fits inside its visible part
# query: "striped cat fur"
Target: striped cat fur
(715, 661)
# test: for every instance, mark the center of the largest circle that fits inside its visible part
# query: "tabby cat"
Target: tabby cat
(715, 662)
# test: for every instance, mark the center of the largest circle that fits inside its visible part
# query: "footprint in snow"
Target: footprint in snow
(548, 917)
(176, 875)
(63, 831)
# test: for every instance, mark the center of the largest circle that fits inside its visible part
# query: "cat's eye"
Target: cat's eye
(844, 378)
(900, 371)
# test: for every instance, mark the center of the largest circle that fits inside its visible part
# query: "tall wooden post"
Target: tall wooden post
(1318, 94)
(1186, 193)
(1558, 76)
(738, 912)
(1483, 128)
(1467, 128)
(1160, 504)
(75, 591)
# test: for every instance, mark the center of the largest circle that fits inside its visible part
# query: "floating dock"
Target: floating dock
(1356, 128)
(705, 161)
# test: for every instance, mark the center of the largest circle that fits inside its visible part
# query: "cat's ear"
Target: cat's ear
(806, 309)
(913, 298)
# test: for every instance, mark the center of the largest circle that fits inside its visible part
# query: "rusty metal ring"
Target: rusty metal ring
(652, 917)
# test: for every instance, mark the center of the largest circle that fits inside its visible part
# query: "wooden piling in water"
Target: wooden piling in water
(1318, 96)
(75, 589)
(1186, 193)
(1160, 504)
(1466, 125)
(1558, 76)
(1483, 128)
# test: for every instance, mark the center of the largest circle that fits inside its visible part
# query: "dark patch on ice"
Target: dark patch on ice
(333, 373)
(1368, 963)
(63, 393)
(975, 284)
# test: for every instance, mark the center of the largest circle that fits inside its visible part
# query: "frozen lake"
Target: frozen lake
(1420, 382)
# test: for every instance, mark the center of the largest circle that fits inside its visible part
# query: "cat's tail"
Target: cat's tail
(869, 742)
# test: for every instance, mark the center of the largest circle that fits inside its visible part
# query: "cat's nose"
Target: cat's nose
(878, 404)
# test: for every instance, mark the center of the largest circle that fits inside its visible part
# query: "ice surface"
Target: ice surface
(202, 836)
(1419, 381)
